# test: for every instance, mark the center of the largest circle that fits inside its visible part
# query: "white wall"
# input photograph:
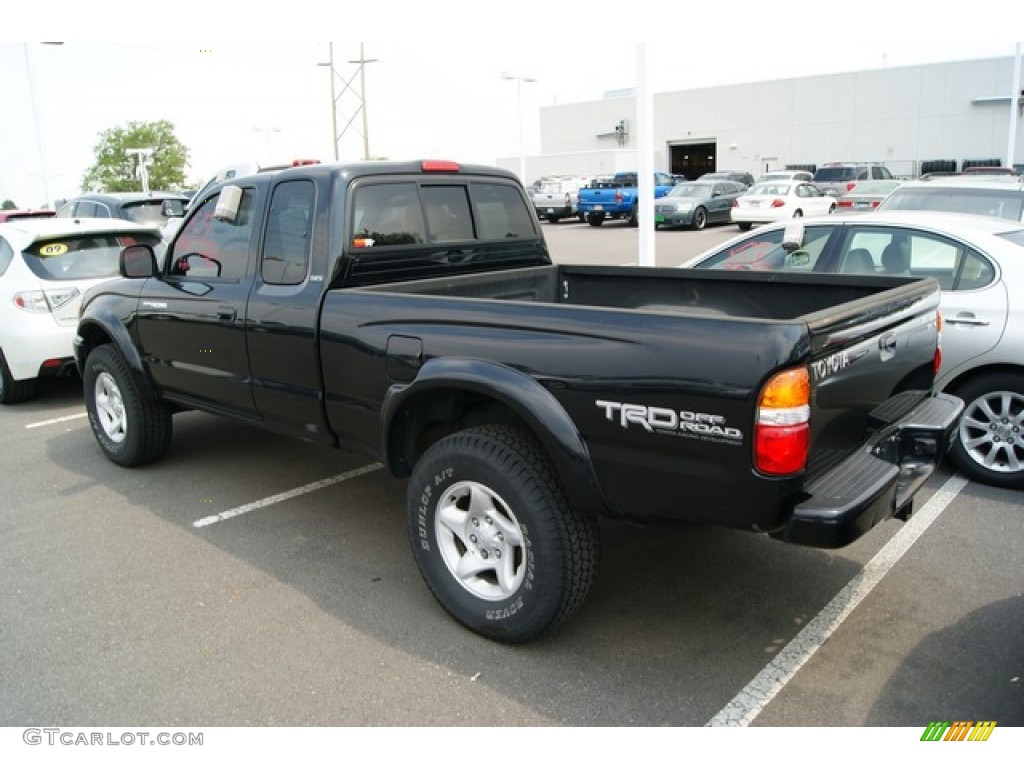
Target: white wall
(900, 116)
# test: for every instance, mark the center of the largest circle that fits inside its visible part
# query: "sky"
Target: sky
(435, 90)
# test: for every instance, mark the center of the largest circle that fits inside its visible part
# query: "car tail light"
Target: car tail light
(44, 301)
(778, 203)
(844, 203)
(568, 200)
(850, 185)
(618, 197)
(440, 166)
(735, 202)
(937, 357)
(782, 434)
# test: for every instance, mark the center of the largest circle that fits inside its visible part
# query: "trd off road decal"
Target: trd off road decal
(666, 421)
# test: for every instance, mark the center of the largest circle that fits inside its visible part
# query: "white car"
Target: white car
(45, 267)
(771, 201)
(785, 176)
(979, 263)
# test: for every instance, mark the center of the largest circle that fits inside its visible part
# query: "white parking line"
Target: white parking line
(759, 692)
(55, 421)
(227, 515)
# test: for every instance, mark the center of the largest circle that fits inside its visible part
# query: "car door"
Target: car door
(191, 319)
(720, 204)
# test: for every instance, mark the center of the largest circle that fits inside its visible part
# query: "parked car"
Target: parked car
(774, 200)
(558, 198)
(147, 208)
(1000, 196)
(696, 204)
(13, 214)
(838, 178)
(785, 176)
(46, 264)
(743, 177)
(979, 263)
(867, 195)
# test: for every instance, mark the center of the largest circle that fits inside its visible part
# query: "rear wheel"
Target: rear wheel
(744, 227)
(700, 218)
(553, 219)
(989, 445)
(595, 219)
(633, 217)
(12, 390)
(495, 538)
(130, 428)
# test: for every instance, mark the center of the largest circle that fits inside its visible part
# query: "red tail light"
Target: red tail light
(850, 185)
(618, 197)
(782, 434)
(299, 163)
(440, 166)
(845, 203)
(778, 203)
(937, 357)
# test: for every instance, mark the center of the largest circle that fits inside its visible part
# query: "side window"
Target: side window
(976, 272)
(6, 255)
(89, 210)
(286, 246)
(881, 250)
(208, 248)
(387, 214)
(447, 210)
(764, 252)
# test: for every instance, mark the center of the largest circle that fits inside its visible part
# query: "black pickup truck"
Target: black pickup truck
(411, 312)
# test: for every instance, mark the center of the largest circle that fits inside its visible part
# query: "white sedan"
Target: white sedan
(770, 201)
(45, 267)
(979, 263)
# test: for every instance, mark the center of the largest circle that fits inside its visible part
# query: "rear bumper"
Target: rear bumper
(877, 482)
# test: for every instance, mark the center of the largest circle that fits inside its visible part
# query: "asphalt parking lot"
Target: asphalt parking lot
(297, 602)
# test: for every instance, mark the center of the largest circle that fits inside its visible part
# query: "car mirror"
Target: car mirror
(137, 261)
(793, 236)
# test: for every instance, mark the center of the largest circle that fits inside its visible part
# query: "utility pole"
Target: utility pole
(362, 61)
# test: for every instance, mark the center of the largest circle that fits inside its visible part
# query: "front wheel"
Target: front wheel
(495, 538)
(989, 445)
(130, 428)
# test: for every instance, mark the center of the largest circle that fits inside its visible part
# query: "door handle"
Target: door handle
(226, 313)
(965, 320)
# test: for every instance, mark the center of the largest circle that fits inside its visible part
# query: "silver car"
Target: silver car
(979, 263)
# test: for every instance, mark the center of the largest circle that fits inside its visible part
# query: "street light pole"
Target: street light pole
(520, 79)
(35, 120)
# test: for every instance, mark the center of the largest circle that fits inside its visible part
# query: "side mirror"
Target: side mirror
(228, 204)
(793, 236)
(137, 261)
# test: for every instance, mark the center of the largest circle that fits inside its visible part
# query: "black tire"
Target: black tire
(595, 220)
(989, 444)
(634, 218)
(11, 390)
(744, 227)
(130, 429)
(524, 521)
(700, 218)
(554, 219)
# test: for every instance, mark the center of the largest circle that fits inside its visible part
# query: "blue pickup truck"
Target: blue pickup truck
(616, 198)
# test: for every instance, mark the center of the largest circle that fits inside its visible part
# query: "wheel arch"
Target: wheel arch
(449, 395)
(105, 327)
(961, 379)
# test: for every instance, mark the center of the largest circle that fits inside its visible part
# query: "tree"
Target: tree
(8, 205)
(116, 167)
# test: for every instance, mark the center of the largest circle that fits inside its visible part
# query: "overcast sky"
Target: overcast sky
(435, 94)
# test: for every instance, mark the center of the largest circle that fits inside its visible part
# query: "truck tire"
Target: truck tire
(552, 219)
(989, 444)
(12, 390)
(700, 218)
(130, 428)
(595, 220)
(494, 536)
(634, 219)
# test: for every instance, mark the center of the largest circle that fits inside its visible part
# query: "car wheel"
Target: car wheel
(553, 219)
(700, 218)
(130, 428)
(595, 220)
(494, 536)
(744, 227)
(12, 390)
(633, 218)
(989, 445)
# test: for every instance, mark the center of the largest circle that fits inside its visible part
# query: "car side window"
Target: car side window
(208, 248)
(287, 242)
(906, 253)
(764, 252)
(975, 272)
(6, 255)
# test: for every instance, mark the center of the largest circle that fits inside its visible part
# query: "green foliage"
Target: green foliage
(115, 169)
(8, 205)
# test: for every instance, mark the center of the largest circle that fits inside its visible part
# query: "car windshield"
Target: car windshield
(153, 212)
(690, 190)
(845, 173)
(82, 257)
(1001, 203)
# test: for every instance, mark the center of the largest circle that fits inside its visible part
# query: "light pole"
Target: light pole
(520, 79)
(35, 119)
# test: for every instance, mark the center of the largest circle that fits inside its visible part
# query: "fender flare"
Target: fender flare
(101, 321)
(530, 401)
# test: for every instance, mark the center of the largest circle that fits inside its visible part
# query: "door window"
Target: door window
(208, 248)
(286, 246)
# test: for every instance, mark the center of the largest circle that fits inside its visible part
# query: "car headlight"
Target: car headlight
(684, 207)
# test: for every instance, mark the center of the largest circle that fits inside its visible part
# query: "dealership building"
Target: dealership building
(915, 119)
